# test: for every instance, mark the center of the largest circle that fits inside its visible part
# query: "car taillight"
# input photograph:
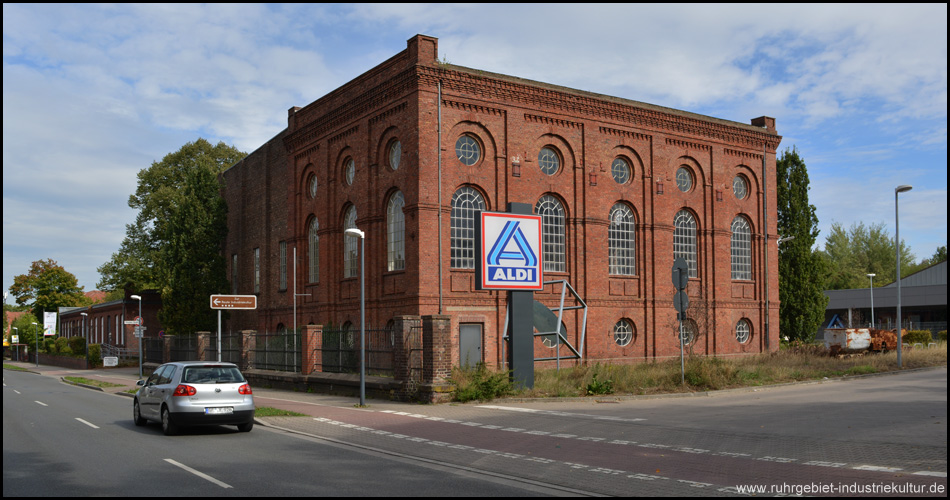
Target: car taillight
(185, 390)
(245, 389)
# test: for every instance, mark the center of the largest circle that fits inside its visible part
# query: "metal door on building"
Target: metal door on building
(470, 344)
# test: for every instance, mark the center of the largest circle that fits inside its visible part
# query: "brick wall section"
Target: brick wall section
(312, 345)
(438, 355)
(512, 119)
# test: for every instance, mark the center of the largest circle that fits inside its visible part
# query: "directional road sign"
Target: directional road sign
(234, 302)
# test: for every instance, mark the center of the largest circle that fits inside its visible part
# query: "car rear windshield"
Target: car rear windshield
(211, 375)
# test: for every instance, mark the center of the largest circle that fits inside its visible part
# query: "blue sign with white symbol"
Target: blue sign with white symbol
(508, 253)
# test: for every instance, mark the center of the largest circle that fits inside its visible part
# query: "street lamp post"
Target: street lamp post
(897, 244)
(362, 236)
(872, 275)
(37, 353)
(139, 298)
(85, 335)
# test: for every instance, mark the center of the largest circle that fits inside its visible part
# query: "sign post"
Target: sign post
(680, 303)
(220, 302)
(508, 257)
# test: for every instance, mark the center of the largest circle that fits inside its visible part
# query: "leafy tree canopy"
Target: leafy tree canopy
(47, 287)
(854, 253)
(174, 245)
(801, 270)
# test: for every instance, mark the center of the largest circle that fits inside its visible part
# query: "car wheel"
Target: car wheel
(168, 427)
(137, 414)
(246, 427)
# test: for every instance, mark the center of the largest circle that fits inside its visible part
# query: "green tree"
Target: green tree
(852, 254)
(25, 329)
(801, 269)
(47, 287)
(175, 243)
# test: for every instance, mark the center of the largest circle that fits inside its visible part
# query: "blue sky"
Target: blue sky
(94, 93)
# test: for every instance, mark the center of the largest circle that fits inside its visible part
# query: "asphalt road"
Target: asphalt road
(877, 435)
(67, 441)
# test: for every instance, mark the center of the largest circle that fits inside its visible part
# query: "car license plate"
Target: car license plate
(219, 411)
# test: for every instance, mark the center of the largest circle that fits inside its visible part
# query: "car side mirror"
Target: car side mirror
(140, 382)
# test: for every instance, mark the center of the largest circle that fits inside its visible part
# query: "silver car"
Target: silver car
(185, 393)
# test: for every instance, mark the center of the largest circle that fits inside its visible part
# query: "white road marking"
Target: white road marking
(40, 403)
(87, 423)
(200, 474)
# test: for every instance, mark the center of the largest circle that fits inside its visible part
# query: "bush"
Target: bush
(942, 336)
(60, 343)
(597, 387)
(479, 384)
(48, 345)
(918, 337)
(95, 355)
(77, 344)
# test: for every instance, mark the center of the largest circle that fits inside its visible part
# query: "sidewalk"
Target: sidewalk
(125, 378)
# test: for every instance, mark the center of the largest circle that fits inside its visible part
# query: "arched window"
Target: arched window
(620, 239)
(552, 233)
(465, 202)
(688, 331)
(684, 240)
(743, 331)
(350, 246)
(313, 252)
(741, 249)
(624, 333)
(396, 232)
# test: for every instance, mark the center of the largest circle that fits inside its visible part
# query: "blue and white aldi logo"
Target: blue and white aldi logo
(509, 252)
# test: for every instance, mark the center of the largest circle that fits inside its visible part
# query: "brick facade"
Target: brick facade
(511, 120)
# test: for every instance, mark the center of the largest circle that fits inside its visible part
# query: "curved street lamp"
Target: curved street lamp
(903, 188)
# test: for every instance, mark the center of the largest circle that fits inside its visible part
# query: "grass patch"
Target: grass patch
(799, 363)
(266, 411)
(14, 367)
(479, 384)
(94, 383)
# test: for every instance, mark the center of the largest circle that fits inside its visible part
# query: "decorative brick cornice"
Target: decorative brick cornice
(316, 120)
(625, 133)
(474, 108)
(743, 154)
(342, 135)
(536, 95)
(389, 112)
(688, 145)
(552, 121)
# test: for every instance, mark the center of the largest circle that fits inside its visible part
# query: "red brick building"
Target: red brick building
(407, 151)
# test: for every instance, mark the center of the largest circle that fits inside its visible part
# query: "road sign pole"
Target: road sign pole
(219, 335)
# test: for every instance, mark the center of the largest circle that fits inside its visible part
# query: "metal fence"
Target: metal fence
(183, 348)
(154, 350)
(230, 348)
(279, 351)
(341, 351)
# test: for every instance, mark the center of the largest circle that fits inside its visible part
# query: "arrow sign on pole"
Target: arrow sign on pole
(234, 302)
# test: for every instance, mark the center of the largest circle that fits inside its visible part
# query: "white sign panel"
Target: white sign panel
(49, 324)
(509, 252)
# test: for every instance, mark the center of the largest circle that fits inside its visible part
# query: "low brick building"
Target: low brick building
(409, 150)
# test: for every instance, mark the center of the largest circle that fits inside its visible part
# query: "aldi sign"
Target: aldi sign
(508, 251)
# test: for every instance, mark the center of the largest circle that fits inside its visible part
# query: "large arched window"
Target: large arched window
(313, 252)
(396, 232)
(465, 202)
(552, 233)
(684, 240)
(350, 246)
(620, 238)
(741, 249)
